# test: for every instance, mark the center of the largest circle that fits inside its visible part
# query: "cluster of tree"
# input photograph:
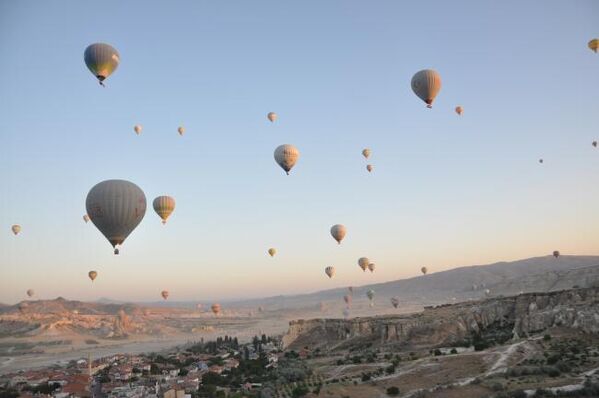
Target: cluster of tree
(213, 347)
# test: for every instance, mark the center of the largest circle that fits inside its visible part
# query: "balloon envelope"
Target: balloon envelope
(164, 207)
(15, 229)
(594, 45)
(330, 271)
(426, 85)
(272, 116)
(181, 130)
(137, 129)
(424, 270)
(286, 156)
(272, 251)
(459, 110)
(101, 59)
(85, 218)
(366, 153)
(116, 207)
(369, 168)
(371, 267)
(556, 254)
(30, 292)
(164, 294)
(338, 232)
(92, 275)
(363, 263)
(395, 302)
(215, 308)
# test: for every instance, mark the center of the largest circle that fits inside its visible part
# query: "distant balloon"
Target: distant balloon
(215, 308)
(366, 153)
(363, 263)
(272, 116)
(556, 254)
(426, 84)
(330, 271)
(30, 292)
(92, 275)
(369, 168)
(164, 207)
(272, 251)
(181, 130)
(370, 295)
(164, 294)
(595, 144)
(371, 267)
(137, 128)
(338, 232)
(16, 229)
(351, 289)
(541, 161)
(347, 298)
(395, 302)
(594, 45)
(102, 60)
(487, 292)
(286, 156)
(424, 270)
(86, 218)
(459, 110)
(116, 207)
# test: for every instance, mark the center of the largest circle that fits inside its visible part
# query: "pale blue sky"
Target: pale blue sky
(446, 190)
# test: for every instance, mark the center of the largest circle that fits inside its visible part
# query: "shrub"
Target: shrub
(453, 351)
(392, 391)
(366, 377)
(547, 337)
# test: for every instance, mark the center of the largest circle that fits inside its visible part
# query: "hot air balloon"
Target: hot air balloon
(215, 309)
(346, 313)
(85, 218)
(370, 295)
(487, 292)
(272, 251)
(351, 289)
(595, 144)
(181, 130)
(164, 207)
(594, 45)
(347, 299)
(92, 275)
(30, 292)
(363, 263)
(338, 232)
(16, 229)
(137, 128)
(102, 60)
(556, 254)
(366, 153)
(286, 156)
(395, 302)
(426, 85)
(459, 110)
(541, 161)
(330, 271)
(369, 168)
(424, 270)
(116, 207)
(371, 267)
(164, 294)
(272, 116)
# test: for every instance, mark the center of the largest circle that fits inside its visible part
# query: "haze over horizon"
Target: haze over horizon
(446, 190)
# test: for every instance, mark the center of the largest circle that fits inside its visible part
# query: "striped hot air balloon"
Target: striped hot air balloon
(426, 84)
(164, 207)
(102, 60)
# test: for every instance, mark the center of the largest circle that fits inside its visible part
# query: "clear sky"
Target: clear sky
(446, 190)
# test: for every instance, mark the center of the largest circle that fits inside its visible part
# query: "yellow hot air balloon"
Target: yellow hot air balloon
(286, 156)
(366, 153)
(216, 308)
(272, 251)
(426, 84)
(181, 130)
(424, 270)
(371, 267)
(330, 271)
(459, 110)
(102, 60)
(338, 232)
(272, 116)
(594, 45)
(164, 294)
(16, 229)
(363, 263)
(137, 129)
(164, 207)
(85, 218)
(30, 292)
(92, 275)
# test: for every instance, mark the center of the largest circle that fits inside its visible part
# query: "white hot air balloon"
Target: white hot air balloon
(330, 271)
(426, 85)
(338, 232)
(286, 156)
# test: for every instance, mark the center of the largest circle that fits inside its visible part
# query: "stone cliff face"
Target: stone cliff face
(522, 314)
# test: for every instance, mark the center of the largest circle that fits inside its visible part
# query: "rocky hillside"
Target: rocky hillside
(496, 318)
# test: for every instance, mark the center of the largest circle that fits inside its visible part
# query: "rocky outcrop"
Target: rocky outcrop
(523, 314)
